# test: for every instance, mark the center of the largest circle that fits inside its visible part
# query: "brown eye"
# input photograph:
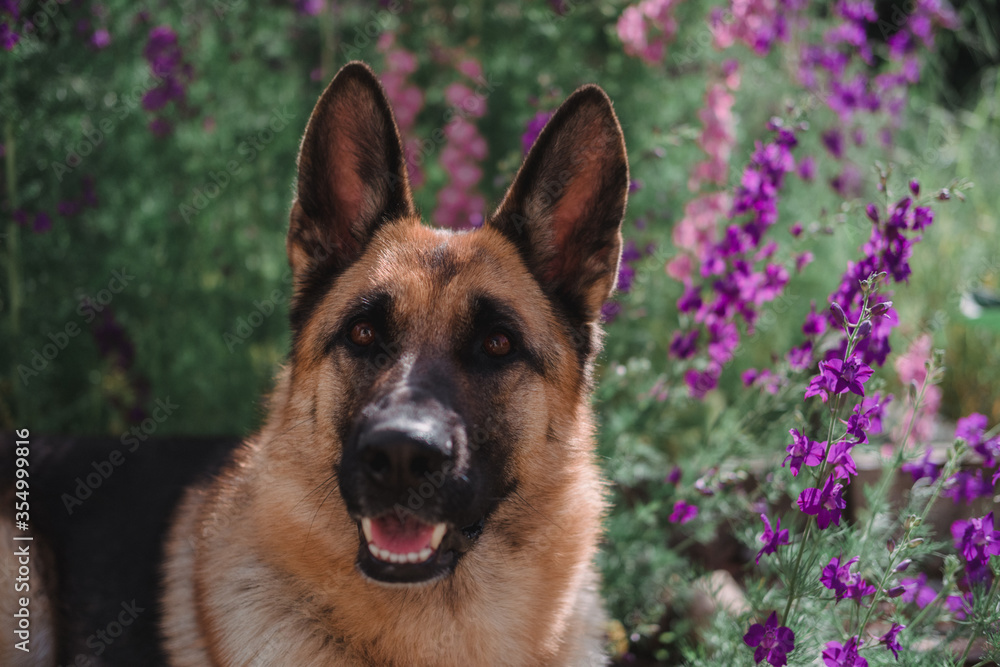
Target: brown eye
(362, 334)
(497, 344)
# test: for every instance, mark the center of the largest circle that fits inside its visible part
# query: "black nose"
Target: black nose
(401, 455)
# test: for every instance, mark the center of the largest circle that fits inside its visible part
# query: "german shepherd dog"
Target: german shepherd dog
(424, 490)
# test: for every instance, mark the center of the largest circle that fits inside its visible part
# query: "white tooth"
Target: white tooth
(412, 557)
(398, 558)
(383, 554)
(366, 528)
(424, 554)
(439, 531)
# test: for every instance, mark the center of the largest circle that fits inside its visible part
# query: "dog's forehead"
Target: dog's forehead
(424, 268)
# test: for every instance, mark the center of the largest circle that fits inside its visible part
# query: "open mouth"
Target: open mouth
(407, 541)
(406, 549)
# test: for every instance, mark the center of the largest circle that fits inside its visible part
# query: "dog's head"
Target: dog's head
(443, 371)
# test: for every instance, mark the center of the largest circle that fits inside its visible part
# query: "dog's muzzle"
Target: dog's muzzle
(411, 502)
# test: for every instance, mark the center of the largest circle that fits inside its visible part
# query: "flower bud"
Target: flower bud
(896, 591)
(903, 565)
(872, 211)
(944, 195)
(864, 329)
(839, 317)
(890, 545)
(914, 543)
(915, 188)
(880, 309)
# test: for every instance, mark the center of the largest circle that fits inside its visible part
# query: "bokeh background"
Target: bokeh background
(148, 151)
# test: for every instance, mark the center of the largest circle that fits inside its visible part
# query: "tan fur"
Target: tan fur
(262, 565)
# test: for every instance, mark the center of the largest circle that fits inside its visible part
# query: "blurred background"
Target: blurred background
(147, 153)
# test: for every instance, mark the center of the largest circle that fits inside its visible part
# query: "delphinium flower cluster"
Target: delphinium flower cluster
(828, 467)
(647, 27)
(166, 61)
(406, 98)
(837, 68)
(459, 203)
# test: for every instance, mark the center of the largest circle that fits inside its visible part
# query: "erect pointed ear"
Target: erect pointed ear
(565, 207)
(351, 177)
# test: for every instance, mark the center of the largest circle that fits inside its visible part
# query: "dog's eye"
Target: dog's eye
(362, 334)
(497, 344)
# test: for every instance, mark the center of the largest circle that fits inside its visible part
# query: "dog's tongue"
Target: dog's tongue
(401, 537)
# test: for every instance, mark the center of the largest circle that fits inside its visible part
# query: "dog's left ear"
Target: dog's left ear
(565, 208)
(351, 176)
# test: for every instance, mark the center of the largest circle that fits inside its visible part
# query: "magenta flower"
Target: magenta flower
(843, 464)
(918, 591)
(966, 487)
(971, 428)
(773, 642)
(960, 605)
(533, 129)
(837, 655)
(803, 451)
(847, 376)
(825, 504)
(838, 577)
(890, 639)
(683, 512)
(683, 346)
(922, 468)
(772, 539)
(815, 324)
(976, 539)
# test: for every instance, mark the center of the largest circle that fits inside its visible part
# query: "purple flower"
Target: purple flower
(533, 129)
(690, 300)
(838, 577)
(101, 38)
(890, 639)
(849, 376)
(807, 170)
(815, 323)
(803, 451)
(918, 591)
(976, 539)
(68, 208)
(43, 223)
(843, 464)
(773, 642)
(702, 382)
(837, 655)
(960, 605)
(825, 504)
(923, 468)
(683, 346)
(967, 487)
(971, 428)
(683, 512)
(834, 142)
(772, 539)
(800, 357)
(610, 311)
(675, 475)
(309, 7)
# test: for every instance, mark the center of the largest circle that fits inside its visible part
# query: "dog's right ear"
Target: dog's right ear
(351, 177)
